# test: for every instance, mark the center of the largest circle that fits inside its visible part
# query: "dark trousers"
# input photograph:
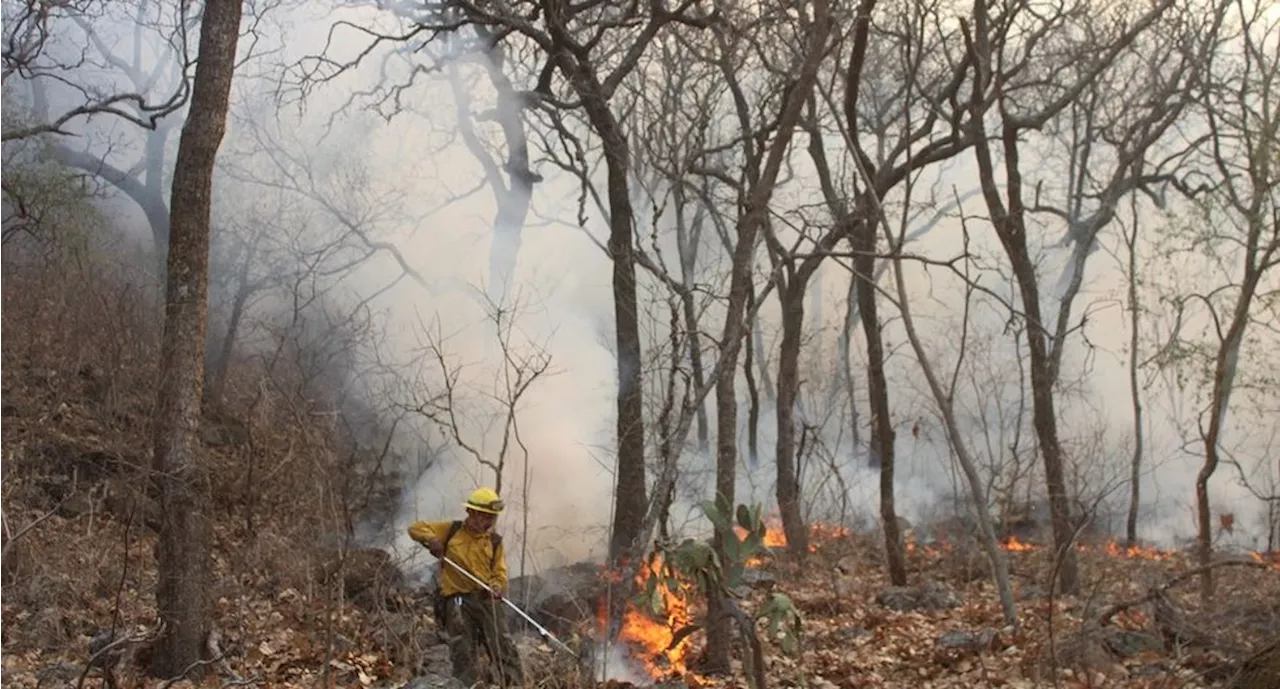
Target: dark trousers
(473, 620)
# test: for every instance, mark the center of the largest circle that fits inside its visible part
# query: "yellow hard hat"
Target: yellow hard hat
(484, 500)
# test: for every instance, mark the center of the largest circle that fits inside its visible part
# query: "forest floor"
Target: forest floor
(292, 610)
(946, 630)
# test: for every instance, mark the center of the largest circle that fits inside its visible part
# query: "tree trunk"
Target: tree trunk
(695, 365)
(1135, 395)
(687, 246)
(844, 351)
(1010, 226)
(753, 397)
(1044, 416)
(1224, 374)
(717, 656)
(977, 489)
(515, 199)
(752, 222)
(630, 494)
(183, 549)
(882, 434)
(788, 490)
(222, 360)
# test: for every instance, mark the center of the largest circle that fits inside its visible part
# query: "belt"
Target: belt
(467, 594)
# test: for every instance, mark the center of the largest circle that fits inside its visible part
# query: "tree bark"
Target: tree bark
(630, 493)
(788, 489)
(183, 549)
(1135, 393)
(688, 250)
(751, 224)
(1224, 374)
(882, 433)
(222, 359)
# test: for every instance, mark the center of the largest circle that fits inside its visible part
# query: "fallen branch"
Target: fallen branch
(4, 552)
(216, 657)
(100, 656)
(1158, 591)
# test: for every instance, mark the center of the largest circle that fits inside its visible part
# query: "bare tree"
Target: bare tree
(575, 40)
(1236, 228)
(38, 49)
(762, 162)
(892, 127)
(1134, 305)
(522, 366)
(1004, 67)
(673, 97)
(183, 549)
(148, 60)
(943, 397)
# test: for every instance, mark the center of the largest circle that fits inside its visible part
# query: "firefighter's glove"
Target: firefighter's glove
(434, 547)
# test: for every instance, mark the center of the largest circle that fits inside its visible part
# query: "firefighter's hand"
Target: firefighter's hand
(434, 546)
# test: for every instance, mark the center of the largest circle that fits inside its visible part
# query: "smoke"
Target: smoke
(390, 161)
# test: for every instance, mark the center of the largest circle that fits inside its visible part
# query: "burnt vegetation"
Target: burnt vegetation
(822, 344)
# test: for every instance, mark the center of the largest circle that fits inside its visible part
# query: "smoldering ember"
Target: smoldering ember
(684, 343)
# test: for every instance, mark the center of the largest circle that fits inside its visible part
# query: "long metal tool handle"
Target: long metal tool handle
(546, 633)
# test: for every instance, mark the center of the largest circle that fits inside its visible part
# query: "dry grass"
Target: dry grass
(79, 376)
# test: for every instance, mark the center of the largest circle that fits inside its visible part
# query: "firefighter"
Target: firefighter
(471, 615)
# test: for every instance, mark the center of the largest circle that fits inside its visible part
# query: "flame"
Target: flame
(1013, 544)
(1263, 557)
(652, 639)
(1133, 552)
(775, 537)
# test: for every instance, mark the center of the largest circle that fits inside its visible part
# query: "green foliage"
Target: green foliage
(44, 199)
(738, 551)
(784, 622)
(742, 532)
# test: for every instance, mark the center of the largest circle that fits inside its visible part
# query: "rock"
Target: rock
(846, 587)
(1032, 591)
(970, 642)
(1126, 644)
(76, 504)
(850, 633)
(560, 598)
(1159, 669)
(95, 383)
(127, 501)
(932, 596)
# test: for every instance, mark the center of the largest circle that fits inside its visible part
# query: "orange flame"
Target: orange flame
(1014, 545)
(1263, 557)
(652, 639)
(775, 537)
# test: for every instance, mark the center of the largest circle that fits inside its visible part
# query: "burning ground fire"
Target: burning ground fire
(653, 639)
(652, 634)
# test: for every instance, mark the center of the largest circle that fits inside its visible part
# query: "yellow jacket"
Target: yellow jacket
(476, 552)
